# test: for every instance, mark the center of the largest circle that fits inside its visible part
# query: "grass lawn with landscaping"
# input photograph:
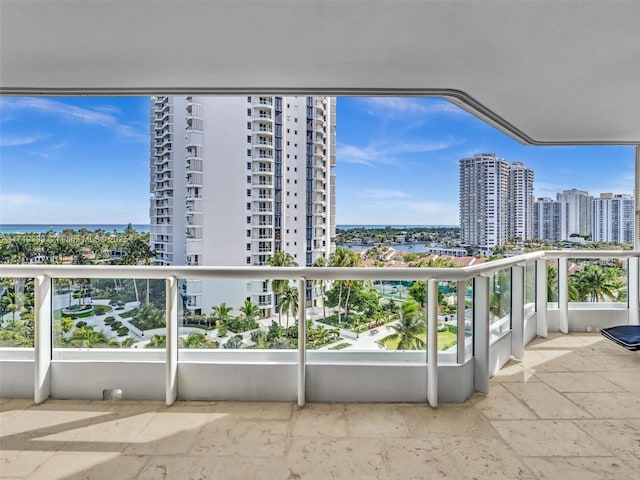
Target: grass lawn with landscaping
(446, 340)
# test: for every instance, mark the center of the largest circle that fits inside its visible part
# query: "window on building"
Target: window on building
(248, 152)
(248, 112)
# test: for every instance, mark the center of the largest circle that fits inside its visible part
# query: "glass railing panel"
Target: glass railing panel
(530, 288)
(16, 312)
(468, 320)
(597, 282)
(107, 313)
(381, 316)
(499, 303)
(552, 284)
(228, 315)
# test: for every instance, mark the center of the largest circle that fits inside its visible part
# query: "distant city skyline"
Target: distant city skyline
(86, 160)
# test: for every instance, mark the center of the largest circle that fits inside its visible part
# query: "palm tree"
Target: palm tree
(595, 284)
(280, 259)
(410, 329)
(157, 341)
(221, 312)
(322, 262)
(15, 302)
(343, 257)
(87, 337)
(128, 342)
(289, 302)
(197, 340)
(552, 283)
(250, 312)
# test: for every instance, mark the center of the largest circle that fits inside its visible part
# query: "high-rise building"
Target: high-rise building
(235, 179)
(496, 201)
(520, 220)
(579, 212)
(613, 218)
(549, 219)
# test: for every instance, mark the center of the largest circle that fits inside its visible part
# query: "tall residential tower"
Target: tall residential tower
(613, 218)
(235, 179)
(496, 201)
(579, 212)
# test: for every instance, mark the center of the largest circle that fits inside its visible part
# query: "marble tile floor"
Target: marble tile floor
(569, 410)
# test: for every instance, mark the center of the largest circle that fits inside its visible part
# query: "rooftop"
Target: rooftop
(570, 409)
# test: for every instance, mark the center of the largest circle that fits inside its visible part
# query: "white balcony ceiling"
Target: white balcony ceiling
(549, 71)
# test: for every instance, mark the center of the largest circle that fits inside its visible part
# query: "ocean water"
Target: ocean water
(57, 228)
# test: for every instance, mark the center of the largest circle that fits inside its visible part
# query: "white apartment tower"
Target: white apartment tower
(613, 218)
(579, 212)
(549, 219)
(520, 221)
(496, 201)
(235, 179)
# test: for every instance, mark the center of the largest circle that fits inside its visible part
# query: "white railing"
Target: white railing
(483, 345)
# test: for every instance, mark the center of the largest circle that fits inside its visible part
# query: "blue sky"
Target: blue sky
(85, 160)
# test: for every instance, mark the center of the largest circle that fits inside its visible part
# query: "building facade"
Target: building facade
(496, 201)
(235, 179)
(579, 212)
(521, 200)
(549, 219)
(613, 218)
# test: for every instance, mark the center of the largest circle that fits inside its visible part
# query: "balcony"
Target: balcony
(534, 424)
(506, 307)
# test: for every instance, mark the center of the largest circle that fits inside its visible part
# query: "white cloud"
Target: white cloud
(73, 113)
(394, 106)
(9, 140)
(386, 152)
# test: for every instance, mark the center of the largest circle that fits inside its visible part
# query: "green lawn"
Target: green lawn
(446, 340)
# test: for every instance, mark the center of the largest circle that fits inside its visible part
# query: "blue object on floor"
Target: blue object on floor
(627, 336)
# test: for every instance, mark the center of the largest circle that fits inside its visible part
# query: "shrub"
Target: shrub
(109, 320)
(81, 324)
(222, 328)
(116, 325)
(122, 331)
(101, 309)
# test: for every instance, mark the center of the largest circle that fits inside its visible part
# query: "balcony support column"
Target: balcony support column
(42, 338)
(302, 340)
(432, 343)
(172, 340)
(517, 311)
(460, 317)
(634, 290)
(541, 297)
(563, 293)
(481, 333)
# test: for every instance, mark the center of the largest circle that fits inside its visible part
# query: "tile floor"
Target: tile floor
(570, 410)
